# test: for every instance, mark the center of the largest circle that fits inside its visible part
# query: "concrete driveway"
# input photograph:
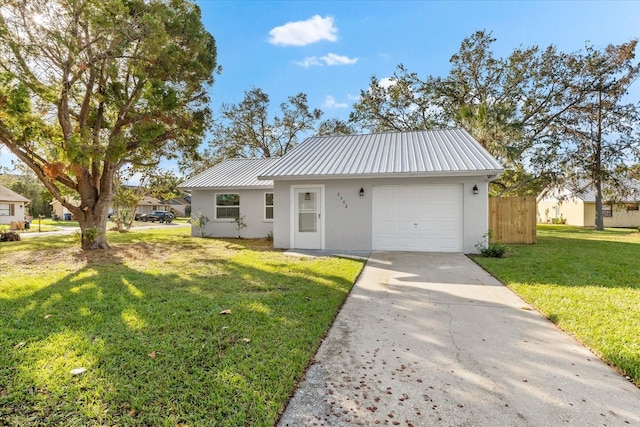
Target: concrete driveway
(432, 339)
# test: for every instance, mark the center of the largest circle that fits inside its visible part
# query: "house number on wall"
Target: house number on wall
(344, 202)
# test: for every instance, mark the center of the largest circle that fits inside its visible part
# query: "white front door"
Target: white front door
(307, 218)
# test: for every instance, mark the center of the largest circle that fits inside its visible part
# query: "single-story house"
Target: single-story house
(148, 204)
(12, 206)
(58, 211)
(404, 191)
(180, 205)
(231, 190)
(577, 206)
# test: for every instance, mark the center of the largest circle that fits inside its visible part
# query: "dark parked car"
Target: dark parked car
(160, 216)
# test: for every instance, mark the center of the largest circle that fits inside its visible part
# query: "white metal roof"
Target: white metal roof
(232, 173)
(419, 153)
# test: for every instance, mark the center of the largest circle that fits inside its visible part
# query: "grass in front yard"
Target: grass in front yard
(588, 282)
(144, 320)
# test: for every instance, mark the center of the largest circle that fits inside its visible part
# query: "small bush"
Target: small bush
(491, 250)
(494, 250)
(269, 237)
(240, 224)
(200, 221)
(9, 236)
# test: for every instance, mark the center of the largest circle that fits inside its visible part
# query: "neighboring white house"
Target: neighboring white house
(578, 207)
(59, 212)
(231, 190)
(12, 206)
(406, 191)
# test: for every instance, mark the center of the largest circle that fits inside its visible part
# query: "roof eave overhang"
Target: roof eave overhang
(231, 188)
(491, 174)
(15, 201)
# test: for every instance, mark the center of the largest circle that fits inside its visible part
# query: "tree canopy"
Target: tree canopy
(88, 86)
(538, 110)
(247, 130)
(597, 137)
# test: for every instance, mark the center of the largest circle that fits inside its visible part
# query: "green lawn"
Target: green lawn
(144, 320)
(585, 281)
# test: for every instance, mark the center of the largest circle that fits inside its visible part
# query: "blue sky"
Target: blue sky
(330, 49)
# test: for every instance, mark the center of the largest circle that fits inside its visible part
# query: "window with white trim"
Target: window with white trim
(268, 206)
(7, 209)
(227, 206)
(607, 210)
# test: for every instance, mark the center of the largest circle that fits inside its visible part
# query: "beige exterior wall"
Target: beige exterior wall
(351, 228)
(59, 210)
(252, 207)
(620, 217)
(180, 210)
(572, 209)
(583, 214)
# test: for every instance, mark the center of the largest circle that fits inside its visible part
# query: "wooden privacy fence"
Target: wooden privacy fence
(513, 219)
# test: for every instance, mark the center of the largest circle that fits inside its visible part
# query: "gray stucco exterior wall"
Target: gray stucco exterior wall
(348, 222)
(252, 207)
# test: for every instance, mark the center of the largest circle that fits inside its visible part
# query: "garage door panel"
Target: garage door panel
(406, 244)
(418, 218)
(429, 244)
(405, 226)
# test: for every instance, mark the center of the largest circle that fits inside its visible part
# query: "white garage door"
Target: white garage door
(418, 218)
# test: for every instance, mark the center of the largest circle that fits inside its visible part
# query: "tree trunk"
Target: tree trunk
(598, 167)
(599, 218)
(93, 228)
(95, 199)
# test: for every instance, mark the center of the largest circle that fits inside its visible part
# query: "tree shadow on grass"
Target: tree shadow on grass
(156, 348)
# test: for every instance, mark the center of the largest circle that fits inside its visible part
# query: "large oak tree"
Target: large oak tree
(88, 86)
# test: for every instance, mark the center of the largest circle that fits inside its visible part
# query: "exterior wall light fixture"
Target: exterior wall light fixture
(361, 192)
(475, 189)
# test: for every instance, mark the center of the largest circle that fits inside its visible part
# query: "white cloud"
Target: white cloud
(333, 59)
(353, 97)
(329, 60)
(387, 82)
(302, 33)
(330, 102)
(309, 61)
